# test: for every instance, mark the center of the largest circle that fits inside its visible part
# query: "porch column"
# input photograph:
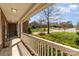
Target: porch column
(19, 29)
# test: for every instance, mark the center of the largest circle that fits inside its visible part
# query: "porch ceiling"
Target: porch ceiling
(21, 8)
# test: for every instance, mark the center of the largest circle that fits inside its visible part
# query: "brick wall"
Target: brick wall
(3, 29)
(12, 29)
(25, 27)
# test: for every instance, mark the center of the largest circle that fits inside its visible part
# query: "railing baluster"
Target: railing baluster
(56, 52)
(51, 51)
(32, 43)
(35, 46)
(44, 49)
(40, 48)
(61, 53)
(47, 50)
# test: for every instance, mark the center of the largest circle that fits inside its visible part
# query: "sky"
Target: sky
(66, 11)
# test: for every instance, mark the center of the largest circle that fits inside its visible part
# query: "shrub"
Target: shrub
(77, 41)
(41, 33)
(66, 38)
(29, 31)
(77, 33)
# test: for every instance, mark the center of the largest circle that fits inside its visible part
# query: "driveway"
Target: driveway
(54, 30)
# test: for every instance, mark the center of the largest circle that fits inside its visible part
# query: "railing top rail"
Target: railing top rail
(64, 48)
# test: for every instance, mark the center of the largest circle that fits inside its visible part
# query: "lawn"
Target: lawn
(66, 38)
(39, 29)
(44, 29)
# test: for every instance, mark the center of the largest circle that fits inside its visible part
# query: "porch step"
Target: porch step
(23, 50)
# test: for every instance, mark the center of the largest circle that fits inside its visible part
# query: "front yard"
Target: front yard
(66, 38)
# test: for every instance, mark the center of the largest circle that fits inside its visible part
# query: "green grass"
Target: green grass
(42, 29)
(66, 38)
(38, 29)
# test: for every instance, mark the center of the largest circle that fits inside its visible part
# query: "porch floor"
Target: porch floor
(15, 48)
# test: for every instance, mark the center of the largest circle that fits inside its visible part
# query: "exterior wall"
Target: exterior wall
(3, 29)
(0, 31)
(12, 31)
(25, 27)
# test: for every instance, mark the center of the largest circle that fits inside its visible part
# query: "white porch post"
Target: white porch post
(18, 29)
(21, 29)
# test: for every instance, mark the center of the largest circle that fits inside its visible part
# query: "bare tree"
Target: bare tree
(51, 13)
(46, 13)
(42, 22)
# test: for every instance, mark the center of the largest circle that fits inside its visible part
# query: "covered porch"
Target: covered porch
(15, 42)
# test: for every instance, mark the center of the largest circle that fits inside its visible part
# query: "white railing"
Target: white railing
(43, 47)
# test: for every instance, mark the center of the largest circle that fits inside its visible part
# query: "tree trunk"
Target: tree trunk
(48, 27)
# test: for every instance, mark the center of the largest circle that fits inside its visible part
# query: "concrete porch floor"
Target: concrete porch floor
(16, 48)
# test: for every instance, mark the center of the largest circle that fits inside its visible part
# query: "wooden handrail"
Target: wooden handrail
(38, 44)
